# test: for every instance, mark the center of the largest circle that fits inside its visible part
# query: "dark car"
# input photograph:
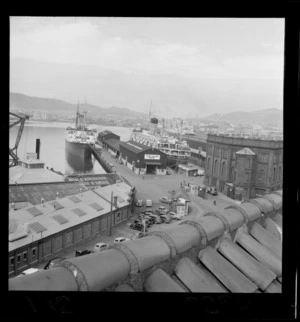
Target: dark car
(53, 262)
(83, 252)
(137, 227)
(212, 190)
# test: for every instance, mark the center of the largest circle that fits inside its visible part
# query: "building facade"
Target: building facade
(43, 231)
(243, 168)
(143, 159)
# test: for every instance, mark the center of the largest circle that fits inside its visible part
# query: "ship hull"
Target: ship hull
(78, 150)
(172, 161)
(78, 156)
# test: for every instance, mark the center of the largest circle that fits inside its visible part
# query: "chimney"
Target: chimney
(37, 148)
(115, 201)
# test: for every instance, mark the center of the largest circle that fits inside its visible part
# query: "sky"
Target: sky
(184, 65)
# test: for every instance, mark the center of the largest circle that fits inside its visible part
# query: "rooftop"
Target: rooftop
(238, 250)
(136, 147)
(20, 175)
(54, 216)
(113, 143)
(35, 192)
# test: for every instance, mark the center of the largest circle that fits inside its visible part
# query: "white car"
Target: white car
(139, 203)
(174, 216)
(100, 246)
(120, 240)
(30, 271)
(148, 203)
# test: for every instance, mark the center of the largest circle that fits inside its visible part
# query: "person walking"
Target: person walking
(215, 202)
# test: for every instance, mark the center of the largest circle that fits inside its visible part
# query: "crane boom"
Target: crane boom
(14, 157)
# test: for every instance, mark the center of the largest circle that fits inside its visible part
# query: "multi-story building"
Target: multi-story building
(243, 168)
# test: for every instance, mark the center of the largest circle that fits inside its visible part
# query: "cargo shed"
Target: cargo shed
(143, 159)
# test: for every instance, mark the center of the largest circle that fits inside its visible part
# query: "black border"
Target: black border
(43, 305)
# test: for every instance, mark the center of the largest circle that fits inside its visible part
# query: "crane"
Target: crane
(13, 155)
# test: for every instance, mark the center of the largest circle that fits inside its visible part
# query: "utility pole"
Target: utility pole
(111, 210)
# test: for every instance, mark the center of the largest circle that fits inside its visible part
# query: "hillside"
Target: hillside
(30, 104)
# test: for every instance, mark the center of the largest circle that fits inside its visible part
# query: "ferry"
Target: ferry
(79, 140)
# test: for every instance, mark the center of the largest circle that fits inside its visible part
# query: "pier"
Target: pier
(96, 152)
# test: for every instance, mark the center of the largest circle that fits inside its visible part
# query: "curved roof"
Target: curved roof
(153, 263)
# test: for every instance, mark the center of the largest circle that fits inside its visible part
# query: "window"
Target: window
(216, 168)
(12, 261)
(33, 252)
(261, 176)
(274, 175)
(25, 256)
(118, 217)
(19, 259)
(223, 171)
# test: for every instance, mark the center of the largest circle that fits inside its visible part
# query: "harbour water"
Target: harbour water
(52, 150)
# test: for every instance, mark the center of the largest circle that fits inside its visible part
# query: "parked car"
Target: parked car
(83, 252)
(166, 219)
(139, 203)
(165, 200)
(53, 262)
(137, 227)
(99, 247)
(148, 203)
(174, 216)
(138, 235)
(212, 190)
(30, 271)
(157, 219)
(120, 240)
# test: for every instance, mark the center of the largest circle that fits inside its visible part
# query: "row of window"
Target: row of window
(33, 255)
(34, 250)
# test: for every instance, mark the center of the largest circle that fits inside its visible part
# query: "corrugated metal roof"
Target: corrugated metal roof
(136, 147)
(34, 193)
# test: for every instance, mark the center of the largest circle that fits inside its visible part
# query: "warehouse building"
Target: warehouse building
(143, 159)
(112, 146)
(105, 135)
(44, 229)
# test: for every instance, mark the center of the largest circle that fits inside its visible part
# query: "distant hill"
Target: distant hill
(271, 116)
(29, 104)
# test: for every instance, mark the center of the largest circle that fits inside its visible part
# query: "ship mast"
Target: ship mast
(77, 116)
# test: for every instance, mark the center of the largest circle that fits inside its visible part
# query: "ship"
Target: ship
(80, 140)
(177, 151)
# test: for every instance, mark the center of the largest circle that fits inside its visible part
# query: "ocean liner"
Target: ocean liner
(79, 140)
(177, 151)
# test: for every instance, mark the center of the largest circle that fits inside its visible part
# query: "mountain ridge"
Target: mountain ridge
(54, 105)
